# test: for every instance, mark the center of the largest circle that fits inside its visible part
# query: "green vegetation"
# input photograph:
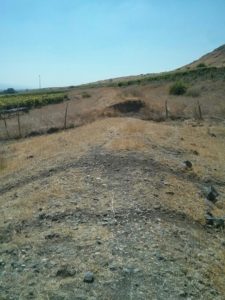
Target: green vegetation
(178, 88)
(185, 76)
(9, 91)
(31, 100)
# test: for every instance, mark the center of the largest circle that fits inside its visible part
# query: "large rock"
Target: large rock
(214, 221)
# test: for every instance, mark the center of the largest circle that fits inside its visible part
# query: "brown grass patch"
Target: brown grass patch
(3, 161)
(129, 144)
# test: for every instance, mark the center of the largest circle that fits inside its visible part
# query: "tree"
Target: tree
(9, 91)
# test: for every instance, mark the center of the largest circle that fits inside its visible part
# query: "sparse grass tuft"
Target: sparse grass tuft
(193, 92)
(2, 162)
(131, 92)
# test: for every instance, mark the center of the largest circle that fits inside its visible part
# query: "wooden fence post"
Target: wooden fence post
(166, 108)
(199, 111)
(6, 128)
(18, 121)
(65, 117)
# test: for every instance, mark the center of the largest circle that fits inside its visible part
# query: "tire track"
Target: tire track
(109, 163)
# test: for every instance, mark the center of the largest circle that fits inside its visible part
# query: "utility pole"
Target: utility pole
(39, 77)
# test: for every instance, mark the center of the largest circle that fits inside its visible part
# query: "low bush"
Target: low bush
(85, 95)
(9, 91)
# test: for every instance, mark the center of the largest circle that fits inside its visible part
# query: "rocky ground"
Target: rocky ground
(115, 222)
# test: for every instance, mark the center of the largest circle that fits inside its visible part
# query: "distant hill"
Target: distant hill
(216, 58)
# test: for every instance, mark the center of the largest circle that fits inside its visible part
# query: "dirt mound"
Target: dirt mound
(126, 108)
(129, 106)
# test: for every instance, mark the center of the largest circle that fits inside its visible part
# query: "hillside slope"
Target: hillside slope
(216, 58)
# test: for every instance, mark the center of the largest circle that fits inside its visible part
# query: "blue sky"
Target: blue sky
(69, 42)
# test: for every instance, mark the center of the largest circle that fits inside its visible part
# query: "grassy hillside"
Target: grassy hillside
(203, 73)
(38, 99)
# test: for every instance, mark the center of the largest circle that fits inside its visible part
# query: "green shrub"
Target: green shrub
(178, 88)
(201, 65)
(9, 91)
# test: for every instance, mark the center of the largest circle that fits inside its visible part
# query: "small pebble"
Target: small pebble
(88, 277)
(188, 164)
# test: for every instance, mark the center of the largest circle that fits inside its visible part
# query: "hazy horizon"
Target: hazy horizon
(74, 42)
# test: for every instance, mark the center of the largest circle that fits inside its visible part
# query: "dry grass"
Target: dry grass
(131, 92)
(128, 144)
(155, 139)
(3, 162)
(55, 148)
(216, 274)
(160, 141)
(167, 143)
(130, 137)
